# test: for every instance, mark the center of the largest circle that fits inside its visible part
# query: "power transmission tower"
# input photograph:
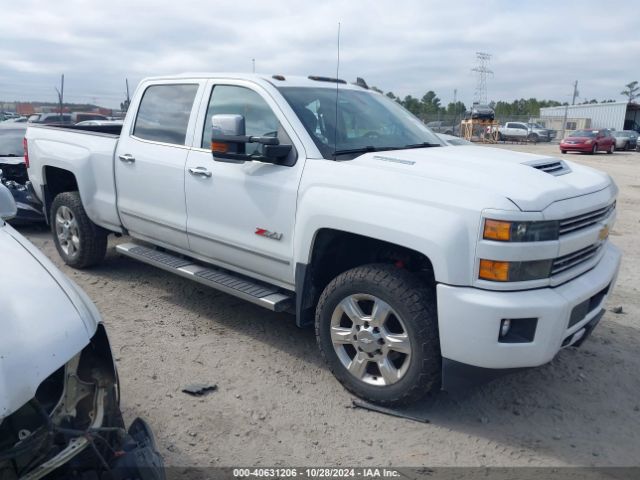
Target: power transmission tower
(482, 71)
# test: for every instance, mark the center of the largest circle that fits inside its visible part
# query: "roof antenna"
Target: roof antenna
(335, 126)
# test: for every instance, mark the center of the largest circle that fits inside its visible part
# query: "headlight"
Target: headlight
(520, 231)
(499, 271)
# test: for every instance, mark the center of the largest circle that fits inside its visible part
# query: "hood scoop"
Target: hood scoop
(551, 166)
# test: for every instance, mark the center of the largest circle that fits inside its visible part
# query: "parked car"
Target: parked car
(16, 120)
(77, 117)
(480, 112)
(589, 141)
(531, 132)
(420, 266)
(454, 141)
(625, 139)
(13, 173)
(99, 122)
(59, 401)
(49, 118)
(444, 127)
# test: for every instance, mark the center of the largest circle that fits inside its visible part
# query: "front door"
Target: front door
(241, 215)
(149, 164)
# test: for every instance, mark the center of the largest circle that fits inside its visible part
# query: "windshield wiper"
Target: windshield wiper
(419, 145)
(369, 148)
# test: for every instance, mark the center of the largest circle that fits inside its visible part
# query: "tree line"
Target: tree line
(430, 105)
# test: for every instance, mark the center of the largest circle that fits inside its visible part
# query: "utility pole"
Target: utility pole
(126, 81)
(566, 108)
(61, 95)
(455, 108)
(575, 92)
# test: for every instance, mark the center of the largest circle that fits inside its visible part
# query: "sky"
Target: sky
(539, 48)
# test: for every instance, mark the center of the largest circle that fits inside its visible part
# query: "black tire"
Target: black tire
(612, 148)
(92, 244)
(563, 151)
(415, 303)
(533, 137)
(594, 150)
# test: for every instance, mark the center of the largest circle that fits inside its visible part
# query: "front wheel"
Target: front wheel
(594, 149)
(80, 242)
(377, 329)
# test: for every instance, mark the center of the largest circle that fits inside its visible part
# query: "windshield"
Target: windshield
(584, 133)
(535, 125)
(366, 122)
(11, 143)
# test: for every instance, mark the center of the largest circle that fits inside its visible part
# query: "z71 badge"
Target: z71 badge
(269, 234)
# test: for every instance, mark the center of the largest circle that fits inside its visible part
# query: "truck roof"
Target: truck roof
(276, 79)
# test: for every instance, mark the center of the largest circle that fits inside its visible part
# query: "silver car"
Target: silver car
(625, 139)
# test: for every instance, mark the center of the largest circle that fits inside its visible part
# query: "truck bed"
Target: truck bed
(88, 152)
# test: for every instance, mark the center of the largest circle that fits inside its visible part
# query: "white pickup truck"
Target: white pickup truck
(531, 132)
(420, 265)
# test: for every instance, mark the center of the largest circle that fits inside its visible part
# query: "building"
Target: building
(613, 115)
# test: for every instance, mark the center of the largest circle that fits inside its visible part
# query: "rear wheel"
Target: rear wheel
(533, 137)
(612, 149)
(376, 327)
(80, 242)
(563, 151)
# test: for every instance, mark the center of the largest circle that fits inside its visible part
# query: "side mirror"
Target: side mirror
(229, 139)
(8, 207)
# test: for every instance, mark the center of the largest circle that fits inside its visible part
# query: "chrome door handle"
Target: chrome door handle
(127, 158)
(200, 171)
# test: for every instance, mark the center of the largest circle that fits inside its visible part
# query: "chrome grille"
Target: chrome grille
(585, 220)
(574, 259)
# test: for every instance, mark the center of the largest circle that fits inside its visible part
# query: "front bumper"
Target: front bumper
(583, 147)
(470, 318)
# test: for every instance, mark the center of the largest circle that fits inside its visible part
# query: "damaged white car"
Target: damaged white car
(59, 392)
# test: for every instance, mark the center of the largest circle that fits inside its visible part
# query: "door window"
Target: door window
(259, 119)
(163, 115)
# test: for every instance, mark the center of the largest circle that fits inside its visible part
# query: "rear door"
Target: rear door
(150, 160)
(241, 215)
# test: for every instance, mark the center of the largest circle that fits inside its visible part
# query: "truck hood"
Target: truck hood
(46, 319)
(503, 172)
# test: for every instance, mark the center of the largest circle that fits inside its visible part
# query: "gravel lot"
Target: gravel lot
(276, 404)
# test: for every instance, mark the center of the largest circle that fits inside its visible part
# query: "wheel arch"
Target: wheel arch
(56, 180)
(334, 251)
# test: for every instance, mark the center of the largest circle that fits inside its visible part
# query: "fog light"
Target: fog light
(505, 325)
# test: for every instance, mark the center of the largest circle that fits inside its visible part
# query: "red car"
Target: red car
(589, 141)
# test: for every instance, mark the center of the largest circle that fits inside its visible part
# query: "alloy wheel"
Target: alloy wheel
(67, 231)
(370, 339)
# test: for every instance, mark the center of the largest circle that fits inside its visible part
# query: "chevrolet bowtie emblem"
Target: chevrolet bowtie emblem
(603, 234)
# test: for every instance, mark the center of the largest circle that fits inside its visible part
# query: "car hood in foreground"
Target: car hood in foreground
(45, 318)
(505, 173)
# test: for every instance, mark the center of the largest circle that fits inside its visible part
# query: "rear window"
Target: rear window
(164, 113)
